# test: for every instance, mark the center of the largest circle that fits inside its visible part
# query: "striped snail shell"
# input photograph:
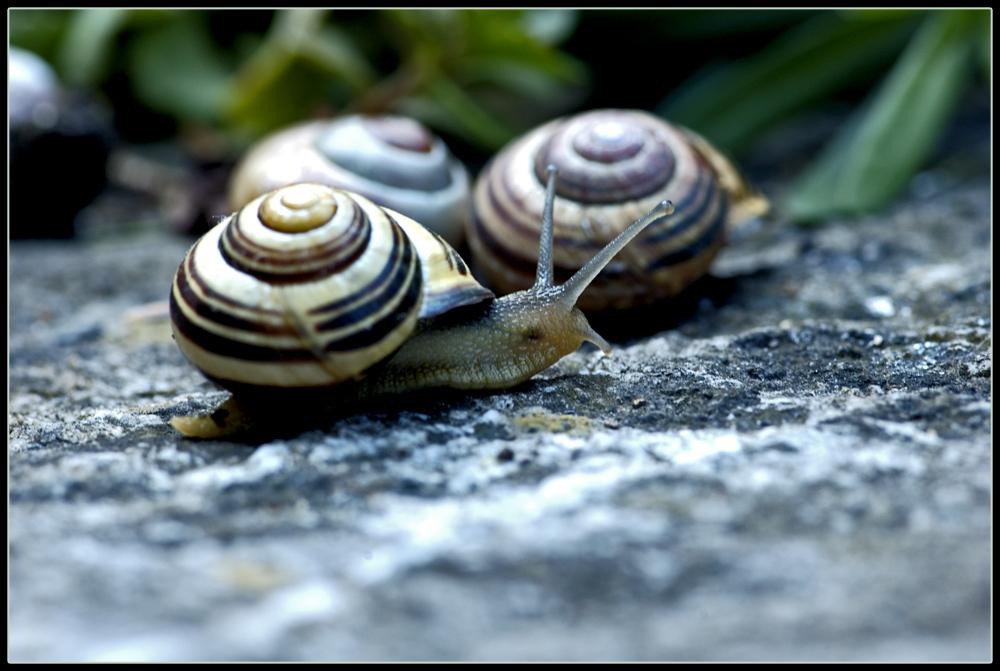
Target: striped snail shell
(614, 166)
(308, 286)
(394, 161)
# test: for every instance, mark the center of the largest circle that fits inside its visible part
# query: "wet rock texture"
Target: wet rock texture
(801, 469)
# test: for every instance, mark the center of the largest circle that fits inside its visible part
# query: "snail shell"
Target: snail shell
(394, 161)
(307, 287)
(614, 166)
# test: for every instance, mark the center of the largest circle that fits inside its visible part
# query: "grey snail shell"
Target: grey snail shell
(308, 286)
(394, 161)
(614, 166)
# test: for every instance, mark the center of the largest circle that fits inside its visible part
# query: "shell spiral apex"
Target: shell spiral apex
(297, 209)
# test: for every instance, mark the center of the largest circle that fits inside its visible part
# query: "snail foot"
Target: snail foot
(228, 419)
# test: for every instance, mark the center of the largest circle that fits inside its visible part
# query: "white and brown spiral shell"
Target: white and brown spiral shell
(615, 165)
(394, 161)
(309, 286)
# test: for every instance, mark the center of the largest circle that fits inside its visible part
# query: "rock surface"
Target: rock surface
(800, 471)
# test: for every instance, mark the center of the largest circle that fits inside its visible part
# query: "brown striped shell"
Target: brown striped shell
(308, 286)
(394, 161)
(614, 166)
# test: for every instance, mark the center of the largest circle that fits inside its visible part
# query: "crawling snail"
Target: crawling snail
(614, 165)
(310, 290)
(394, 161)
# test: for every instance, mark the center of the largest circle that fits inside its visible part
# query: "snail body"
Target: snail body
(614, 166)
(394, 161)
(270, 306)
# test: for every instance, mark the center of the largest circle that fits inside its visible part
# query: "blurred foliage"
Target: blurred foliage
(891, 136)
(483, 76)
(930, 57)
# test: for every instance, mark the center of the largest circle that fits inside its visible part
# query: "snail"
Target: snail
(313, 292)
(614, 165)
(394, 161)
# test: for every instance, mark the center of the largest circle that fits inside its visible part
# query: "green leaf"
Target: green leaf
(280, 87)
(301, 67)
(523, 79)
(305, 33)
(175, 68)
(86, 50)
(734, 104)
(482, 74)
(890, 137)
(472, 122)
(334, 52)
(40, 31)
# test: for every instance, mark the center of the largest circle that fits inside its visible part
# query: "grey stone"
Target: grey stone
(800, 471)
